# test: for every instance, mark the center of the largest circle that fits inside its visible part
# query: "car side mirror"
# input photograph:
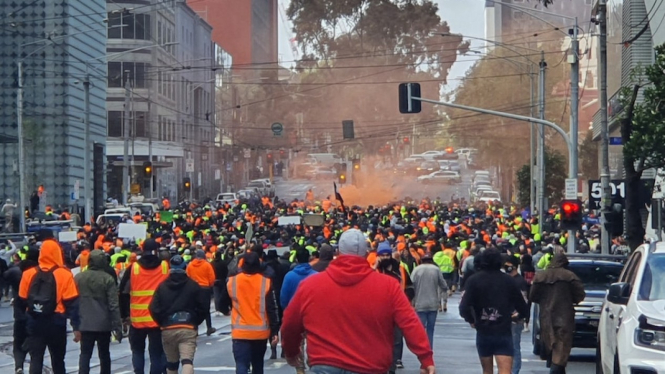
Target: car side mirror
(619, 293)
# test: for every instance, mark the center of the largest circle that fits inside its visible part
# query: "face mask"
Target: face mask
(508, 269)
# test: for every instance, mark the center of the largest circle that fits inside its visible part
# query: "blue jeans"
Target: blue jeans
(517, 355)
(325, 369)
(155, 350)
(249, 353)
(428, 320)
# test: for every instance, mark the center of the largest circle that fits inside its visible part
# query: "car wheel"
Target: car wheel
(617, 367)
(599, 360)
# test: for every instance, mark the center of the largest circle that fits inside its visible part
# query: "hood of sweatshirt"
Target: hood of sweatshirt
(197, 263)
(303, 269)
(349, 270)
(149, 261)
(50, 255)
(97, 260)
(176, 280)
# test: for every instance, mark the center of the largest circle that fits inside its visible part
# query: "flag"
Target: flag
(339, 198)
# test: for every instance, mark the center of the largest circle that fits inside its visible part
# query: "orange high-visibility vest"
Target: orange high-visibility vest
(143, 284)
(249, 319)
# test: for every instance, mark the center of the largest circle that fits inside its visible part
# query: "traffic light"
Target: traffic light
(356, 165)
(347, 129)
(407, 91)
(187, 184)
(406, 140)
(571, 214)
(269, 156)
(147, 169)
(614, 220)
(341, 179)
(449, 150)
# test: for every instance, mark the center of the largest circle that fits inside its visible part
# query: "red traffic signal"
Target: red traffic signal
(571, 214)
(449, 150)
(406, 139)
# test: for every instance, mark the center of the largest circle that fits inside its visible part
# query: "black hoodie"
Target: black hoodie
(179, 301)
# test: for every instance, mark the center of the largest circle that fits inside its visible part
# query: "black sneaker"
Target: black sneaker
(399, 364)
(211, 331)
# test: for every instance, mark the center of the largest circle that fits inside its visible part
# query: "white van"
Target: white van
(324, 159)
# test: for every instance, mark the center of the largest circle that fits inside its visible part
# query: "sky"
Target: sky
(465, 17)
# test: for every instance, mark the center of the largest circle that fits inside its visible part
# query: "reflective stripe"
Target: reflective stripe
(142, 293)
(165, 267)
(139, 306)
(249, 327)
(262, 306)
(235, 299)
(136, 268)
(141, 319)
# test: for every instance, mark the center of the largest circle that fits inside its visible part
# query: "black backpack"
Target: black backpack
(42, 297)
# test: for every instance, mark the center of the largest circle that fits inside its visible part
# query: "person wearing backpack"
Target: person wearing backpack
(49, 296)
(99, 312)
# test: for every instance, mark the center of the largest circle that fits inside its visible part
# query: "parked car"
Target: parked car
(429, 167)
(474, 192)
(227, 197)
(596, 276)
(449, 177)
(453, 165)
(269, 185)
(488, 196)
(429, 155)
(261, 187)
(631, 330)
(246, 193)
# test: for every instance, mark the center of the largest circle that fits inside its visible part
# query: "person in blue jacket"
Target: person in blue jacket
(293, 278)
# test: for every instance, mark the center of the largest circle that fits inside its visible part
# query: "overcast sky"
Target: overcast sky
(464, 17)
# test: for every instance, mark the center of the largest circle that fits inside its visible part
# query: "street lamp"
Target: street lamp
(541, 145)
(125, 159)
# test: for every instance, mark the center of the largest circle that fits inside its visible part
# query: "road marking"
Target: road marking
(224, 339)
(215, 368)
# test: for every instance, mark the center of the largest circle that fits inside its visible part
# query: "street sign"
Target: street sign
(77, 190)
(277, 128)
(571, 188)
(615, 140)
(135, 188)
(189, 165)
(218, 174)
(247, 153)
(618, 190)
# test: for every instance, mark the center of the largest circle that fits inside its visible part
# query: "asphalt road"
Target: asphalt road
(454, 350)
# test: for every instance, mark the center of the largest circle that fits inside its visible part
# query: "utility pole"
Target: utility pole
(21, 156)
(606, 197)
(532, 158)
(574, 111)
(87, 193)
(541, 145)
(125, 140)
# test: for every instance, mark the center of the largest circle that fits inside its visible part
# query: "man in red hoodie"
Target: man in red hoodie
(362, 306)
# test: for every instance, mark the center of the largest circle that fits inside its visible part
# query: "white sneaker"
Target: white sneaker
(526, 328)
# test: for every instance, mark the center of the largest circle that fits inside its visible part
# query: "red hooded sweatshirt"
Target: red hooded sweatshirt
(349, 312)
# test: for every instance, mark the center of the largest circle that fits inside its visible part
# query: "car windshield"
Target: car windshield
(226, 196)
(595, 276)
(653, 281)
(255, 184)
(490, 195)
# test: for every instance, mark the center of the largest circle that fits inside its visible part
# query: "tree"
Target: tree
(355, 52)
(588, 157)
(555, 178)
(643, 136)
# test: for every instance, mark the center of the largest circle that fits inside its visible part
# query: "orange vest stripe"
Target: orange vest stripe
(143, 284)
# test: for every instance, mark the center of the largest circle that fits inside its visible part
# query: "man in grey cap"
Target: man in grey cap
(346, 306)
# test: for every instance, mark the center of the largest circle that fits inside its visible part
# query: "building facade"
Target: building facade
(504, 23)
(247, 29)
(57, 42)
(161, 63)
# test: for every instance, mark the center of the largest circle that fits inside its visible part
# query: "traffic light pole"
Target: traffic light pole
(572, 169)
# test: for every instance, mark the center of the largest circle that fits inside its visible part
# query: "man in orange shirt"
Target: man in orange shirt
(53, 299)
(202, 272)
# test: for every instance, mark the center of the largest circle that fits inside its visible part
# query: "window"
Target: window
(114, 124)
(140, 128)
(137, 26)
(159, 32)
(115, 74)
(114, 31)
(136, 71)
(651, 287)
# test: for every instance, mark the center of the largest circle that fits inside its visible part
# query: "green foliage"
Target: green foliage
(646, 130)
(555, 178)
